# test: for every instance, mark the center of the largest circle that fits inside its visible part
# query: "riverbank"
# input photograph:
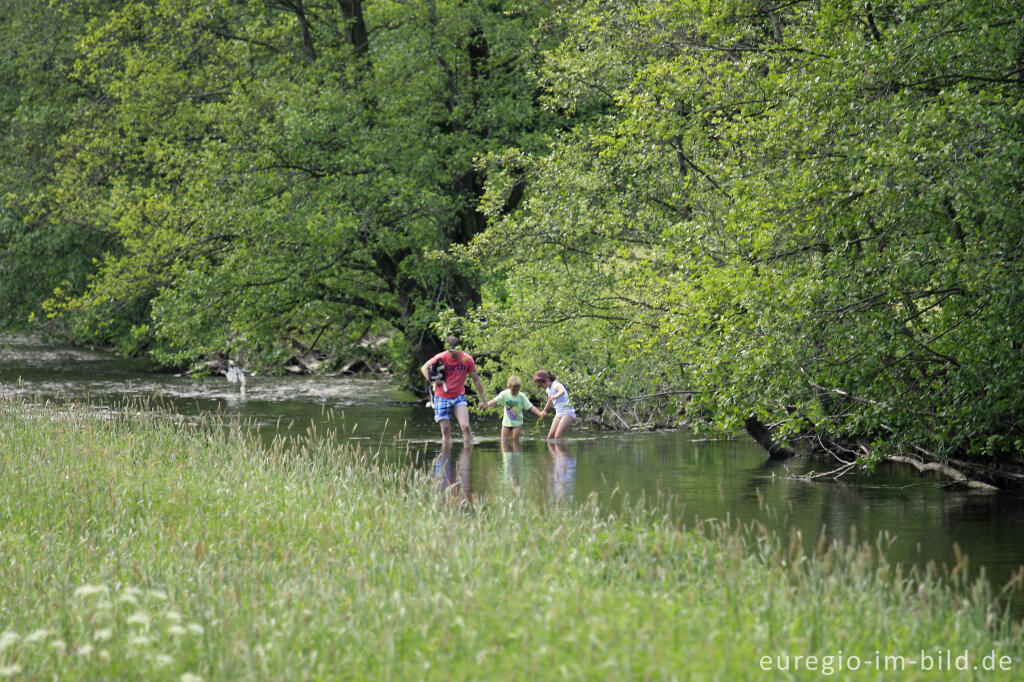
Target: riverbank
(139, 548)
(829, 458)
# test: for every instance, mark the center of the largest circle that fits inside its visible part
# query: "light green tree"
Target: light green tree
(275, 173)
(804, 217)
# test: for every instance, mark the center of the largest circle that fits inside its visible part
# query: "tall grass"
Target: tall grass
(132, 547)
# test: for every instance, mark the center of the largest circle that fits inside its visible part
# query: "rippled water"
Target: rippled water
(921, 517)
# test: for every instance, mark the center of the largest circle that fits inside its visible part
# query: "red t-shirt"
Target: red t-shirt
(455, 372)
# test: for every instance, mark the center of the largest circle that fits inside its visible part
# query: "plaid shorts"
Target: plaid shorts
(443, 406)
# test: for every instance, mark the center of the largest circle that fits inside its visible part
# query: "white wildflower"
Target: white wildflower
(7, 639)
(130, 595)
(90, 590)
(176, 630)
(59, 645)
(163, 660)
(138, 618)
(189, 677)
(158, 594)
(85, 650)
(195, 628)
(12, 670)
(38, 635)
(173, 616)
(139, 640)
(102, 635)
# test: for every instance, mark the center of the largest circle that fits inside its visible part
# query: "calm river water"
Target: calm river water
(923, 519)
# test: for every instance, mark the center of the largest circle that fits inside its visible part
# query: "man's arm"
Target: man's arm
(479, 387)
(424, 370)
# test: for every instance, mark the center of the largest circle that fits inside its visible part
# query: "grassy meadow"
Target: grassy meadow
(137, 547)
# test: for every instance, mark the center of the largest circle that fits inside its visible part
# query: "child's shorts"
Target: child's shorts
(443, 406)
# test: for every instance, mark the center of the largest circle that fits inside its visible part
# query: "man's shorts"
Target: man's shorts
(443, 407)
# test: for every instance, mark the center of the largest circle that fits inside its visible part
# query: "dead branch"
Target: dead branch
(949, 472)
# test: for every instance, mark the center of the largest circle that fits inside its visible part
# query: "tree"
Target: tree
(808, 216)
(36, 59)
(275, 171)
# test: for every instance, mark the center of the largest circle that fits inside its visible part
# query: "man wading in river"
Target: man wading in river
(450, 394)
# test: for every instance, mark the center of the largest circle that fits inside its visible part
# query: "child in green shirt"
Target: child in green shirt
(516, 404)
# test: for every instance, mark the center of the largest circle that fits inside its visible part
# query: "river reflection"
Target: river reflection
(452, 473)
(922, 518)
(563, 472)
(918, 520)
(511, 463)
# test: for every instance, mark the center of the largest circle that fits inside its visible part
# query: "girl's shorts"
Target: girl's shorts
(567, 411)
(443, 406)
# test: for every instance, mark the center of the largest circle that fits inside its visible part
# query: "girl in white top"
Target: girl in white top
(565, 415)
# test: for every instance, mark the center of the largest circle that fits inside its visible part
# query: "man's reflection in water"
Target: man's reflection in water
(563, 472)
(512, 462)
(452, 473)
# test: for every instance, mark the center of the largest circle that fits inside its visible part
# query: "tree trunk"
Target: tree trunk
(760, 433)
(355, 27)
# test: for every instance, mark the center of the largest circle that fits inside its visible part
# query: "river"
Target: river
(920, 517)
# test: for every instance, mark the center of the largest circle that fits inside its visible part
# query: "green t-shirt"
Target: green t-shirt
(515, 407)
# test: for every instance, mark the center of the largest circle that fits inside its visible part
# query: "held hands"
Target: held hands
(482, 406)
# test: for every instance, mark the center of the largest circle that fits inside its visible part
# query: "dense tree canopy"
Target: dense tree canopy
(808, 214)
(276, 171)
(37, 253)
(802, 216)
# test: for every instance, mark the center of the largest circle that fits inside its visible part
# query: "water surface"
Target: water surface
(921, 517)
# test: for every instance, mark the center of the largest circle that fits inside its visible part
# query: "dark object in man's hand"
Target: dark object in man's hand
(435, 374)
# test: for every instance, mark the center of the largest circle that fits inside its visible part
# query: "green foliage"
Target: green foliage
(268, 176)
(810, 214)
(36, 58)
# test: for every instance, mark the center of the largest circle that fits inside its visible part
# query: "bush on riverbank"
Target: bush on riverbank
(136, 548)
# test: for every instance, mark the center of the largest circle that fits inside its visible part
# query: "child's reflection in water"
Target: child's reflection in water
(563, 472)
(512, 463)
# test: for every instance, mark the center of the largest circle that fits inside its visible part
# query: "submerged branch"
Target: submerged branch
(955, 475)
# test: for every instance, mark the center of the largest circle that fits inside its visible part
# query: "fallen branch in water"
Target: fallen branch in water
(835, 473)
(949, 472)
(990, 471)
